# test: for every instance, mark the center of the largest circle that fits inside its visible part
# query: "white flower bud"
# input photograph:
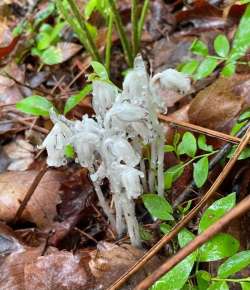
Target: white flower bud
(104, 95)
(171, 79)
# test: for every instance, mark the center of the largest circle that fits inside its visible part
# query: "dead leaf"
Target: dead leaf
(20, 153)
(219, 104)
(110, 261)
(9, 90)
(41, 209)
(61, 270)
(68, 50)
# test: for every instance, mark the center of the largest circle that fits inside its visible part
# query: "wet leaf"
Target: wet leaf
(203, 279)
(234, 264)
(188, 145)
(206, 67)
(76, 99)
(158, 206)
(35, 105)
(199, 47)
(172, 174)
(173, 280)
(221, 45)
(203, 145)
(201, 171)
(219, 247)
(219, 286)
(216, 211)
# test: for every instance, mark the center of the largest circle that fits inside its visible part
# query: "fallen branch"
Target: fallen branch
(214, 229)
(168, 237)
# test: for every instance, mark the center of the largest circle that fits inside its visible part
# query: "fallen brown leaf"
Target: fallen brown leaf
(41, 209)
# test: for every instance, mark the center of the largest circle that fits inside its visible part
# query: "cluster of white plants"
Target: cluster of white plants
(110, 144)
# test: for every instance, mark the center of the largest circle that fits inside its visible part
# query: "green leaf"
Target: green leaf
(35, 105)
(76, 99)
(69, 151)
(245, 285)
(177, 277)
(145, 234)
(200, 171)
(190, 67)
(216, 211)
(244, 116)
(51, 56)
(236, 127)
(241, 41)
(165, 228)
(243, 155)
(89, 8)
(206, 67)
(219, 286)
(188, 145)
(185, 237)
(229, 69)
(44, 14)
(202, 144)
(158, 206)
(172, 174)
(234, 264)
(168, 148)
(199, 47)
(219, 247)
(177, 137)
(221, 45)
(203, 279)
(100, 70)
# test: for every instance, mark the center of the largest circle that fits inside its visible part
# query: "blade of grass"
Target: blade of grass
(84, 27)
(109, 42)
(134, 22)
(81, 34)
(121, 31)
(142, 18)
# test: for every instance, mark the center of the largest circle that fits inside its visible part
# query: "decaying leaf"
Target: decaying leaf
(20, 153)
(60, 270)
(219, 104)
(41, 209)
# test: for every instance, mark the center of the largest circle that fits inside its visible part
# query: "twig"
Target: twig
(177, 228)
(213, 162)
(214, 229)
(30, 192)
(199, 129)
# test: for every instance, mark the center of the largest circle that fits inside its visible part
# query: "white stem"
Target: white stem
(103, 204)
(160, 167)
(144, 179)
(153, 162)
(120, 226)
(131, 221)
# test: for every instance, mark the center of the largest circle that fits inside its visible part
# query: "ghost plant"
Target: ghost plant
(110, 144)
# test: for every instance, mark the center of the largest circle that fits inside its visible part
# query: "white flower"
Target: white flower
(136, 82)
(85, 145)
(129, 179)
(104, 95)
(117, 149)
(170, 79)
(121, 113)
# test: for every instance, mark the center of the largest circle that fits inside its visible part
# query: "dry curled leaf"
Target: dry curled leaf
(41, 209)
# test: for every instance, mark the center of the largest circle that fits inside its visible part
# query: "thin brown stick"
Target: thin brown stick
(177, 228)
(214, 229)
(199, 129)
(30, 192)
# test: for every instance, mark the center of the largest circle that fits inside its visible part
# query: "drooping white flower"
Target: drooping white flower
(104, 95)
(170, 79)
(57, 139)
(129, 179)
(85, 144)
(117, 149)
(136, 82)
